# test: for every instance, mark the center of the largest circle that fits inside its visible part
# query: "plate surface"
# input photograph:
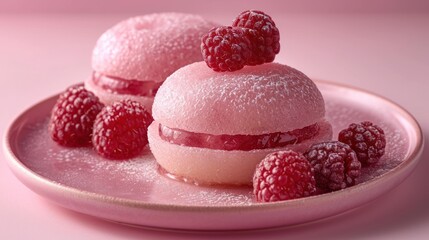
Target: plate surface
(134, 192)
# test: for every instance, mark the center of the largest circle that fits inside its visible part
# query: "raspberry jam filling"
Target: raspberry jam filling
(237, 142)
(124, 86)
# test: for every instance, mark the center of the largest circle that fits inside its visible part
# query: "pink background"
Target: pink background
(381, 46)
(220, 6)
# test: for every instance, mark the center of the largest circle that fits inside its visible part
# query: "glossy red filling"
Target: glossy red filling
(126, 86)
(237, 142)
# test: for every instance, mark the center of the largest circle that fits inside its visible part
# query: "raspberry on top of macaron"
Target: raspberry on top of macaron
(253, 39)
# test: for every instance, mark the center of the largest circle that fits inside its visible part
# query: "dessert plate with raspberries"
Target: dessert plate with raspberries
(136, 191)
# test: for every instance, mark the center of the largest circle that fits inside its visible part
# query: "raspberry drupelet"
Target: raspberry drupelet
(335, 165)
(283, 175)
(366, 139)
(73, 117)
(120, 130)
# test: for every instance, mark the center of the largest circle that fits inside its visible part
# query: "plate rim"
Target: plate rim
(16, 165)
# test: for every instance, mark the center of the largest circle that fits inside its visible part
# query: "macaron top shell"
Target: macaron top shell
(254, 100)
(150, 47)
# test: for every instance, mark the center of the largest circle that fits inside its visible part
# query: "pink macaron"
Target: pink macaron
(214, 128)
(133, 58)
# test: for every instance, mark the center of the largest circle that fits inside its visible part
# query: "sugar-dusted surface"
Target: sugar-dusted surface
(341, 114)
(135, 179)
(138, 179)
(254, 100)
(150, 47)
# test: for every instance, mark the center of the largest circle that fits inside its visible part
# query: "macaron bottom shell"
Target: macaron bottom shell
(217, 167)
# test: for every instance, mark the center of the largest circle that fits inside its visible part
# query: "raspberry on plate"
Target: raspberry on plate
(366, 139)
(120, 130)
(335, 165)
(226, 48)
(283, 175)
(73, 117)
(264, 35)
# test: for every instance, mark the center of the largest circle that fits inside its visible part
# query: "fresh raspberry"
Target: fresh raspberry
(265, 37)
(366, 139)
(73, 117)
(226, 48)
(283, 175)
(120, 130)
(335, 165)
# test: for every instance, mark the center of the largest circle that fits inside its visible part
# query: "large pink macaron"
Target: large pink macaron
(214, 128)
(133, 58)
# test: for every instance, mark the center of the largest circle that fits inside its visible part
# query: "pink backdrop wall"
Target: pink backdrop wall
(224, 6)
(45, 45)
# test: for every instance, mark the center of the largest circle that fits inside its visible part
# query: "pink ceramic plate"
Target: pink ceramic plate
(133, 192)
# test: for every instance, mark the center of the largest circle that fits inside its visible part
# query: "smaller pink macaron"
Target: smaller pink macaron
(133, 58)
(214, 128)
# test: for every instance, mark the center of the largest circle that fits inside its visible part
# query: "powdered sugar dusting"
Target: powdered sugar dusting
(343, 110)
(254, 100)
(138, 178)
(150, 47)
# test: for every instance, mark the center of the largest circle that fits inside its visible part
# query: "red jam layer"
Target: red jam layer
(237, 142)
(125, 86)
